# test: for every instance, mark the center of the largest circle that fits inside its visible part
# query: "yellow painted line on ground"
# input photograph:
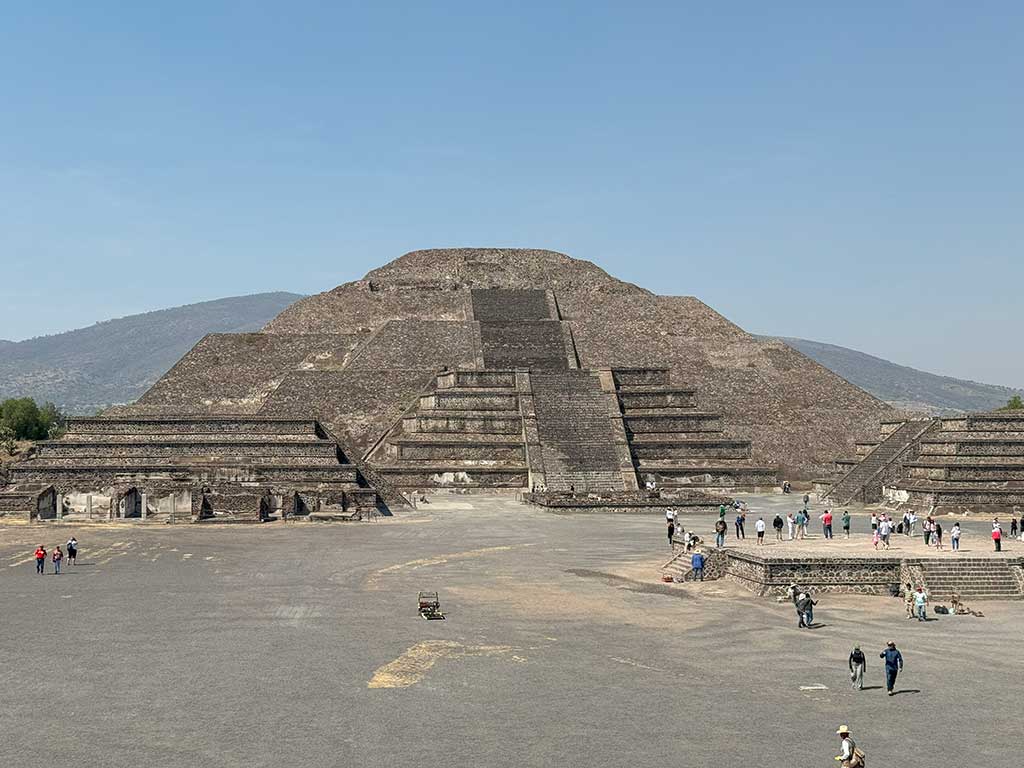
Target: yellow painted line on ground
(412, 666)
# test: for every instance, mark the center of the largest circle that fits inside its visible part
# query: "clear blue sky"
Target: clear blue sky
(847, 175)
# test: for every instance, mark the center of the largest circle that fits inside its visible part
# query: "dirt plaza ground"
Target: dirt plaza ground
(299, 644)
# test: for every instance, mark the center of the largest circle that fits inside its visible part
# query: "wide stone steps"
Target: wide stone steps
(508, 304)
(972, 579)
(575, 432)
(536, 344)
(856, 482)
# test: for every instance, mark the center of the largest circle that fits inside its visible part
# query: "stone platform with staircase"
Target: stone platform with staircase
(964, 464)
(228, 469)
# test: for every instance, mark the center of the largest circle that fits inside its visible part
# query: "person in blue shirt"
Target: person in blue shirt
(697, 562)
(893, 665)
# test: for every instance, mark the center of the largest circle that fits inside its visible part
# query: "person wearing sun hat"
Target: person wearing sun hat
(849, 756)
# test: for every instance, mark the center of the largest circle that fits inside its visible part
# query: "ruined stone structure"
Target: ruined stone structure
(184, 468)
(473, 368)
(971, 463)
(973, 578)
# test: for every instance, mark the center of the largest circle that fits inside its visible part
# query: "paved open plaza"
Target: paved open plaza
(300, 644)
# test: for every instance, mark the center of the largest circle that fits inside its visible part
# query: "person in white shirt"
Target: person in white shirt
(790, 522)
(759, 527)
(884, 530)
(846, 756)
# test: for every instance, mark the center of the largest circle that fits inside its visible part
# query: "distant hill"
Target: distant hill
(117, 360)
(905, 387)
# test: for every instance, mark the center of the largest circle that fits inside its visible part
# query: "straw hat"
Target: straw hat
(843, 729)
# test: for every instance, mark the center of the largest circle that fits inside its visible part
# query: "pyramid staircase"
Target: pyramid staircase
(675, 444)
(971, 463)
(467, 432)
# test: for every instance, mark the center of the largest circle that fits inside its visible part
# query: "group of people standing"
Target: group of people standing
(57, 556)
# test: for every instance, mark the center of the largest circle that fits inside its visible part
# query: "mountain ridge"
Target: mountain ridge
(73, 368)
(902, 386)
(114, 361)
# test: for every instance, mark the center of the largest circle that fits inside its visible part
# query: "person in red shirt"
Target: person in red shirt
(40, 558)
(997, 536)
(826, 524)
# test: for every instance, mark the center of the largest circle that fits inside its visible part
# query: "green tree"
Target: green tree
(52, 420)
(21, 415)
(1015, 404)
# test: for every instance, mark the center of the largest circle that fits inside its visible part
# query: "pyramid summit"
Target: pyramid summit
(471, 368)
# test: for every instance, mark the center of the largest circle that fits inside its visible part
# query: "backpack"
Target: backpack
(858, 758)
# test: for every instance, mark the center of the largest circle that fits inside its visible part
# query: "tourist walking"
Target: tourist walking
(921, 604)
(875, 538)
(790, 521)
(850, 756)
(671, 532)
(874, 522)
(801, 524)
(997, 536)
(846, 523)
(697, 566)
(954, 536)
(826, 523)
(893, 665)
(720, 530)
(740, 520)
(805, 610)
(58, 558)
(908, 600)
(912, 518)
(721, 512)
(40, 559)
(777, 524)
(759, 527)
(858, 663)
(937, 535)
(927, 528)
(72, 548)
(1013, 527)
(885, 530)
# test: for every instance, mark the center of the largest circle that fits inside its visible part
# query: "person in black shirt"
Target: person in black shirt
(858, 663)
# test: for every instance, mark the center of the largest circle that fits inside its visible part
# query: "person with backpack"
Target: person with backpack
(858, 663)
(72, 548)
(850, 755)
